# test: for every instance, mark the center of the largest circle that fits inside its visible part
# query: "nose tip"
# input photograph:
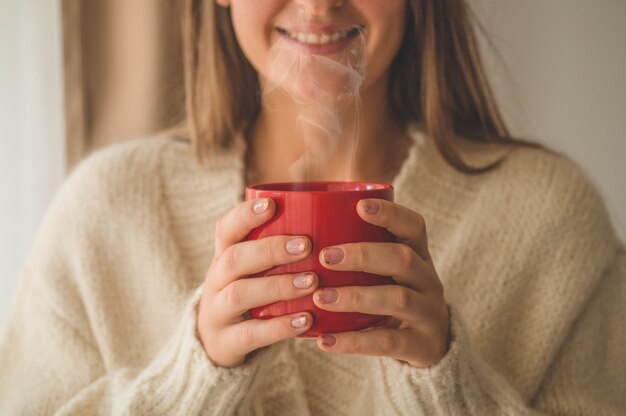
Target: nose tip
(319, 7)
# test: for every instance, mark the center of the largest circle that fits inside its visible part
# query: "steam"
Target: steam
(325, 91)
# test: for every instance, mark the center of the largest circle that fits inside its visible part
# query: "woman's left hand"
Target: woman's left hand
(418, 332)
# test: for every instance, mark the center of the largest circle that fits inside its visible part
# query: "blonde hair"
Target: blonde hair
(437, 80)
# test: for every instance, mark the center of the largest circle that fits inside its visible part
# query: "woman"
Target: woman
(513, 304)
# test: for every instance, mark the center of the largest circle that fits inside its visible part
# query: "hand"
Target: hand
(226, 335)
(418, 331)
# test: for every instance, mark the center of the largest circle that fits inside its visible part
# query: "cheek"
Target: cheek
(253, 24)
(387, 27)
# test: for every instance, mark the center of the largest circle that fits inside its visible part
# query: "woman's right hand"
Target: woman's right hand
(227, 336)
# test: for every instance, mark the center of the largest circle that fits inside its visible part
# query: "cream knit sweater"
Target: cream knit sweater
(104, 317)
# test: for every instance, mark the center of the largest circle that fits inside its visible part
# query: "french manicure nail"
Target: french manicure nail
(303, 281)
(296, 246)
(328, 340)
(333, 255)
(371, 207)
(327, 295)
(299, 321)
(260, 205)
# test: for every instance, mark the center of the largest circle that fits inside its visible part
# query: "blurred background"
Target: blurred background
(77, 75)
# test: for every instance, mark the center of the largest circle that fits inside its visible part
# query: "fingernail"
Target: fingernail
(303, 281)
(332, 255)
(371, 207)
(260, 205)
(296, 246)
(327, 295)
(299, 321)
(328, 340)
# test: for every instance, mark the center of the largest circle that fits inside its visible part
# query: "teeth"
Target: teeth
(314, 39)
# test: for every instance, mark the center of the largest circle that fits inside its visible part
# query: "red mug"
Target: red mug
(325, 212)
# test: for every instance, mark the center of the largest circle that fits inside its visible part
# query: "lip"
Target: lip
(320, 49)
(318, 29)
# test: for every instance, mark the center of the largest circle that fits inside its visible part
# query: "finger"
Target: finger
(240, 221)
(253, 334)
(391, 300)
(404, 345)
(244, 294)
(387, 259)
(407, 225)
(255, 256)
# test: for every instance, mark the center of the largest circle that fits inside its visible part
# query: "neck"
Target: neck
(370, 147)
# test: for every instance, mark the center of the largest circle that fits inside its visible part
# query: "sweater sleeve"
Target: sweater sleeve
(49, 365)
(73, 294)
(586, 377)
(561, 328)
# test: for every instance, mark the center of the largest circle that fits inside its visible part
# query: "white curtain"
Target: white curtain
(32, 137)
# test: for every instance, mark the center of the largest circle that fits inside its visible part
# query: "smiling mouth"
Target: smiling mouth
(328, 37)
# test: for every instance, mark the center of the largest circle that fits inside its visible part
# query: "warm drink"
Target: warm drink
(326, 213)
